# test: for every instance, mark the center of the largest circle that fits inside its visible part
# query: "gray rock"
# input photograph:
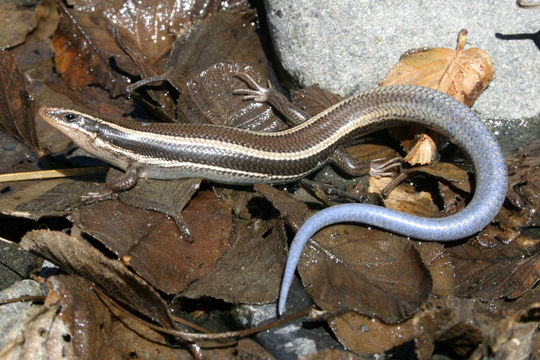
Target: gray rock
(293, 339)
(14, 314)
(15, 264)
(348, 46)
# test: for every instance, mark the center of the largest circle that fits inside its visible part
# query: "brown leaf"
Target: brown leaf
(502, 271)
(55, 197)
(463, 74)
(294, 212)
(513, 337)
(458, 177)
(79, 55)
(313, 99)
(166, 196)
(422, 151)
(16, 104)
(523, 192)
(202, 67)
(331, 354)
(151, 27)
(152, 244)
(250, 271)
(86, 322)
(16, 21)
(365, 335)
(222, 36)
(405, 198)
(208, 98)
(130, 338)
(76, 256)
(440, 266)
(374, 273)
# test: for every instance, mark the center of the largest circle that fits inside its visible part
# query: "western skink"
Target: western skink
(234, 156)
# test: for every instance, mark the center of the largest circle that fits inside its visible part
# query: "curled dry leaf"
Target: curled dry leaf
(463, 74)
(152, 245)
(76, 256)
(405, 198)
(16, 104)
(422, 151)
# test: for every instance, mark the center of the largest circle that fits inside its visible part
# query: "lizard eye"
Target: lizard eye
(70, 117)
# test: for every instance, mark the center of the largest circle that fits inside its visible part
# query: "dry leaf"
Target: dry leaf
(16, 21)
(78, 54)
(405, 198)
(76, 256)
(463, 74)
(349, 267)
(152, 245)
(16, 104)
(250, 271)
(313, 99)
(422, 151)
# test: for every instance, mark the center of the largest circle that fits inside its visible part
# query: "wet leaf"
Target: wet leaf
(365, 335)
(79, 54)
(151, 27)
(208, 98)
(76, 256)
(440, 266)
(331, 354)
(152, 245)
(491, 273)
(500, 261)
(85, 321)
(524, 193)
(16, 21)
(463, 74)
(222, 36)
(16, 104)
(348, 267)
(250, 271)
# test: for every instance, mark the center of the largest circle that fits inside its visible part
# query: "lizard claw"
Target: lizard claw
(378, 170)
(256, 92)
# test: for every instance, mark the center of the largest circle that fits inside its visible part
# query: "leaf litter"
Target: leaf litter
(377, 290)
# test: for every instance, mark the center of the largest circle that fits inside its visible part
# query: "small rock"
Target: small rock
(13, 315)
